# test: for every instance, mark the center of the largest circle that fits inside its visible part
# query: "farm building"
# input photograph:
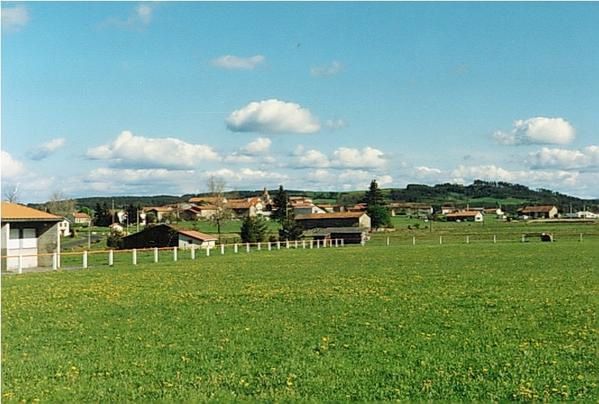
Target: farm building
(329, 208)
(341, 219)
(349, 235)
(465, 216)
(164, 235)
(445, 209)
(81, 218)
(64, 228)
(245, 207)
(27, 232)
(207, 200)
(198, 212)
(539, 212)
(587, 215)
(410, 208)
(307, 209)
(160, 212)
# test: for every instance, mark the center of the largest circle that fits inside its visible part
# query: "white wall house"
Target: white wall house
(28, 235)
(192, 238)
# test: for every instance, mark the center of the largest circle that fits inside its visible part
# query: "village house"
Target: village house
(245, 207)
(465, 216)
(330, 208)
(538, 212)
(358, 207)
(445, 209)
(64, 228)
(587, 215)
(29, 233)
(307, 209)
(410, 209)
(161, 213)
(165, 235)
(341, 219)
(81, 218)
(198, 212)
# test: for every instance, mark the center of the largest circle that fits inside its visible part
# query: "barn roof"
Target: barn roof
(15, 212)
(335, 215)
(537, 209)
(197, 235)
(463, 213)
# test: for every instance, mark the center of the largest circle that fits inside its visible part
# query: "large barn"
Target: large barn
(338, 219)
(29, 233)
(164, 235)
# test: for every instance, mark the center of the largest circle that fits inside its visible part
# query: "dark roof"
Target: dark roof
(335, 215)
(335, 230)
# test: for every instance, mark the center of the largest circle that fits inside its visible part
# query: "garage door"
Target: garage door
(22, 242)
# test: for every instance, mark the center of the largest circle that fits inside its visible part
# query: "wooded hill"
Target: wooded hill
(478, 194)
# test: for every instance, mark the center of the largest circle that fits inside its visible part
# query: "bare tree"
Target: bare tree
(11, 193)
(216, 187)
(60, 205)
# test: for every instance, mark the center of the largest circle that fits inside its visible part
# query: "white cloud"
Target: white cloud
(424, 172)
(273, 116)
(46, 149)
(140, 152)
(14, 18)
(367, 157)
(309, 158)
(248, 178)
(143, 12)
(464, 174)
(343, 157)
(539, 130)
(323, 179)
(140, 17)
(334, 124)
(238, 63)
(11, 168)
(257, 146)
(327, 70)
(586, 159)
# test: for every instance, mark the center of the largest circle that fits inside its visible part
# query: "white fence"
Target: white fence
(87, 259)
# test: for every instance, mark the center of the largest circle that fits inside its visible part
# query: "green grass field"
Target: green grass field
(477, 322)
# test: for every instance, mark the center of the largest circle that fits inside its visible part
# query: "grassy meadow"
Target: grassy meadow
(458, 322)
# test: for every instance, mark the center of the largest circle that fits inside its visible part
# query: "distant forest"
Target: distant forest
(478, 194)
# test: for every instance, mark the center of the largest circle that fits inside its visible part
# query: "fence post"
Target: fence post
(523, 238)
(235, 248)
(311, 244)
(174, 253)
(304, 244)
(342, 242)
(363, 242)
(296, 244)
(440, 239)
(269, 246)
(581, 237)
(278, 245)
(467, 239)
(317, 243)
(193, 252)
(259, 246)
(208, 251)
(85, 259)
(222, 249)
(20, 267)
(134, 256)
(54, 261)
(494, 238)
(387, 241)
(247, 247)
(110, 258)
(413, 240)
(155, 254)
(286, 243)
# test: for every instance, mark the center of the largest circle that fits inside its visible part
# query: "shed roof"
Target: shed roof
(197, 235)
(464, 213)
(15, 212)
(334, 215)
(537, 209)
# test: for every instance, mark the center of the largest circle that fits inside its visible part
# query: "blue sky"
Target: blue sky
(150, 98)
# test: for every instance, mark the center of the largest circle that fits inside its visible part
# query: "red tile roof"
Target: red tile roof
(15, 212)
(537, 209)
(463, 213)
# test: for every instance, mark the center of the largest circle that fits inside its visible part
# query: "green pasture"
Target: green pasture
(506, 321)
